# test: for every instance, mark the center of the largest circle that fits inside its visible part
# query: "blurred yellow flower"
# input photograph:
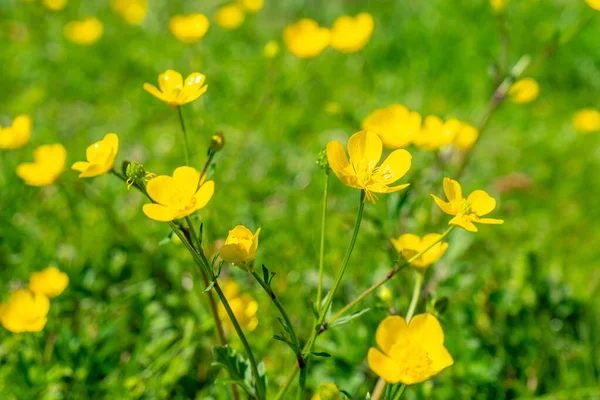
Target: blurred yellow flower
(48, 163)
(271, 49)
(189, 28)
(251, 6)
(50, 282)
(54, 5)
(466, 137)
(362, 171)
(84, 32)
(132, 11)
(174, 91)
(595, 4)
(100, 157)
(177, 196)
(524, 91)
(240, 247)
(229, 16)
(305, 38)
(394, 124)
(243, 305)
(24, 311)
(327, 391)
(499, 5)
(409, 245)
(17, 135)
(468, 210)
(333, 108)
(436, 133)
(349, 34)
(409, 353)
(587, 120)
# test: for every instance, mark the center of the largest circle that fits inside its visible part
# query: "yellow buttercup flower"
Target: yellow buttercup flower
(50, 282)
(327, 391)
(132, 11)
(240, 247)
(84, 32)
(48, 163)
(189, 28)
(174, 91)
(362, 171)
(229, 16)
(587, 120)
(409, 353)
(17, 135)
(595, 4)
(499, 5)
(243, 305)
(251, 6)
(524, 91)
(465, 137)
(436, 133)
(24, 311)
(100, 157)
(409, 245)
(468, 210)
(394, 124)
(305, 38)
(54, 5)
(349, 34)
(271, 49)
(177, 196)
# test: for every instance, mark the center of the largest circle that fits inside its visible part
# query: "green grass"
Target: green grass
(522, 316)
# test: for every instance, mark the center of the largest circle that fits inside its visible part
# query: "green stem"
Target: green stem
(400, 392)
(415, 296)
(186, 145)
(302, 383)
(322, 248)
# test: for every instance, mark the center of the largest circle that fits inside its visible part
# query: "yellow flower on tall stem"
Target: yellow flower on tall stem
(25, 311)
(469, 210)
(394, 124)
(524, 91)
(178, 196)
(100, 157)
(465, 137)
(48, 163)
(84, 32)
(306, 39)
(17, 134)
(350, 34)
(189, 28)
(174, 91)
(230, 16)
(240, 247)
(50, 282)
(587, 120)
(436, 133)
(243, 305)
(410, 245)
(132, 11)
(362, 172)
(409, 353)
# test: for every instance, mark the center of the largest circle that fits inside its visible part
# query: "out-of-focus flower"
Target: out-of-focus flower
(100, 157)
(350, 34)
(394, 124)
(240, 247)
(436, 133)
(24, 311)
(243, 305)
(177, 196)
(84, 32)
(230, 16)
(409, 245)
(524, 91)
(132, 11)
(409, 353)
(189, 28)
(251, 6)
(271, 49)
(466, 137)
(174, 91)
(327, 391)
(499, 5)
(385, 294)
(332, 108)
(54, 5)
(595, 4)
(587, 120)
(50, 282)
(513, 181)
(306, 39)
(469, 210)
(17, 135)
(362, 171)
(48, 163)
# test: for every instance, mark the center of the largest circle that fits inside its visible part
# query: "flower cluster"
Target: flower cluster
(243, 305)
(17, 134)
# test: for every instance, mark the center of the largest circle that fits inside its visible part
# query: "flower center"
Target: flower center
(465, 208)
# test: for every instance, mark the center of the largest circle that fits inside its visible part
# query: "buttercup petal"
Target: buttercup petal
(254, 246)
(162, 189)
(186, 179)
(492, 221)
(232, 253)
(159, 212)
(204, 194)
(170, 81)
(426, 330)
(461, 221)
(391, 330)
(80, 166)
(93, 170)
(153, 90)
(383, 366)
(394, 167)
(392, 189)
(452, 190)
(440, 358)
(338, 161)
(365, 150)
(407, 241)
(481, 202)
(446, 207)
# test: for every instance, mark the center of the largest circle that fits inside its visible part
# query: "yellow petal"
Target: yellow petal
(481, 202)
(392, 189)
(446, 207)
(365, 150)
(232, 253)
(491, 221)
(93, 170)
(153, 90)
(383, 366)
(407, 241)
(204, 194)
(394, 167)
(463, 222)
(159, 212)
(170, 81)
(440, 358)
(254, 246)
(391, 330)
(194, 87)
(162, 189)
(426, 330)
(80, 166)
(452, 190)
(186, 180)
(336, 156)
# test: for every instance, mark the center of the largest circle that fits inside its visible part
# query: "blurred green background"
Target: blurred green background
(522, 317)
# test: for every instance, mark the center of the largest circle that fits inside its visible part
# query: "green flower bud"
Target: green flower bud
(323, 162)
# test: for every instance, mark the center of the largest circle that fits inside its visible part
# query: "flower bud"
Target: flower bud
(217, 142)
(240, 247)
(328, 391)
(323, 162)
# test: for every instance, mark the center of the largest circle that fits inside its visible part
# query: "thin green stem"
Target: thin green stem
(302, 383)
(415, 296)
(400, 392)
(186, 145)
(322, 248)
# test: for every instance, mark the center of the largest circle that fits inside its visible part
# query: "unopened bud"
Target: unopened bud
(217, 141)
(323, 162)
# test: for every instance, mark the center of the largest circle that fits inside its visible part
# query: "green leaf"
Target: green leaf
(209, 287)
(320, 354)
(349, 318)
